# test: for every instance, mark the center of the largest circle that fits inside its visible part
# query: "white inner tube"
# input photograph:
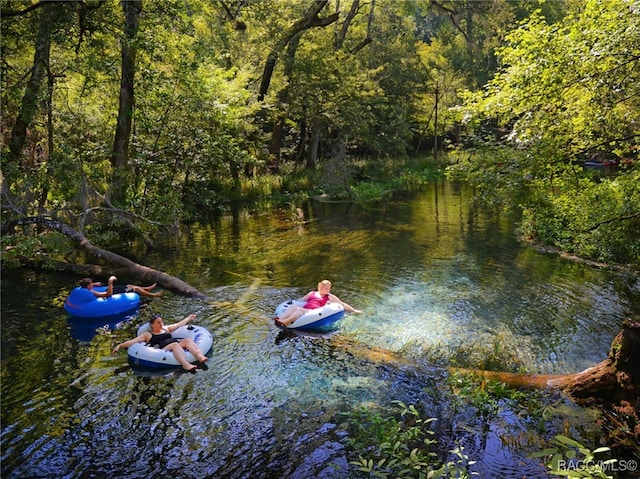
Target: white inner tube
(141, 354)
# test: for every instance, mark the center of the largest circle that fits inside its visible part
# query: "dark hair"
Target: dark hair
(154, 317)
(85, 282)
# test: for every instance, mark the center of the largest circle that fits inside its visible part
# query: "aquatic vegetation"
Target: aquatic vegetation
(569, 458)
(399, 446)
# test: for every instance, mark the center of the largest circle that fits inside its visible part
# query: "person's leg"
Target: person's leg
(289, 312)
(193, 348)
(291, 315)
(144, 291)
(178, 352)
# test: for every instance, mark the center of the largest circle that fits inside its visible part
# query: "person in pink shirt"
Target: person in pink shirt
(313, 300)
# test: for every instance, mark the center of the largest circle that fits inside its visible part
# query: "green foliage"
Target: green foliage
(398, 447)
(19, 248)
(441, 86)
(500, 174)
(370, 192)
(594, 217)
(597, 220)
(571, 459)
(570, 87)
(484, 395)
(568, 92)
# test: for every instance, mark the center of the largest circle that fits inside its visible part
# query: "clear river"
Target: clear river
(441, 283)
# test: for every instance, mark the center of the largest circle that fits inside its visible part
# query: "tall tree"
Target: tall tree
(310, 19)
(283, 98)
(31, 98)
(120, 156)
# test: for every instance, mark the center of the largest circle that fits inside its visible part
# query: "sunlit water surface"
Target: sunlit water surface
(440, 282)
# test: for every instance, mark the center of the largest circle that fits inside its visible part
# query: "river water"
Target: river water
(441, 282)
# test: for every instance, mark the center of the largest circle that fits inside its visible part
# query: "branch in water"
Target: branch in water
(131, 268)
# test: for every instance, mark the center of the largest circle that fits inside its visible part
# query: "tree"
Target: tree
(120, 157)
(348, 98)
(283, 98)
(438, 97)
(308, 20)
(613, 384)
(34, 86)
(584, 74)
(117, 263)
(470, 31)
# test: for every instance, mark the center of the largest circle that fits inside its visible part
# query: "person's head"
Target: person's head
(86, 283)
(324, 286)
(155, 321)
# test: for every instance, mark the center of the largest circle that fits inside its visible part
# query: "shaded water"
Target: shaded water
(439, 282)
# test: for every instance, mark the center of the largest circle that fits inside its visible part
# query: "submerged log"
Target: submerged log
(615, 379)
(613, 385)
(118, 264)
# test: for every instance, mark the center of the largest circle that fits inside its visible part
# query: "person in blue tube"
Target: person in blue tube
(89, 284)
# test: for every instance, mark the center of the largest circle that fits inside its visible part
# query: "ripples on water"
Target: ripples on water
(435, 287)
(555, 328)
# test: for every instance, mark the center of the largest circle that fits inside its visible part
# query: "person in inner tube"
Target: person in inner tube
(313, 300)
(120, 288)
(160, 335)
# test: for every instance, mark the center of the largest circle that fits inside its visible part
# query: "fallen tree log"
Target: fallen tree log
(613, 385)
(614, 379)
(617, 377)
(117, 264)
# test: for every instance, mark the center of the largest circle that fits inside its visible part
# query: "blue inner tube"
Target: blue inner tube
(82, 303)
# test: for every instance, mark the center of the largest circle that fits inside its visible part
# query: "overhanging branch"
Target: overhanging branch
(131, 268)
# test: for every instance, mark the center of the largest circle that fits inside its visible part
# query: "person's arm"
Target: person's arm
(351, 309)
(143, 338)
(172, 327)
(110, 286)
(305, 298)
(109, 292)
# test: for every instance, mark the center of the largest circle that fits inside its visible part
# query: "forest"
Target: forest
(120, 119)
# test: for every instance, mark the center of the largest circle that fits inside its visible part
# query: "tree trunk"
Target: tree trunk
(118, 264)
(300, 150)
(342, 34)
(614, 379)
(50, 145)
(34, 87)
(283, 99)
(435, 125)
(367, 39)
(309, 20)
(314, 144)
(612, 384)
(120, 156)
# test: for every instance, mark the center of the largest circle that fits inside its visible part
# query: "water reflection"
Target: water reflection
(84, 329)
(440, 281)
